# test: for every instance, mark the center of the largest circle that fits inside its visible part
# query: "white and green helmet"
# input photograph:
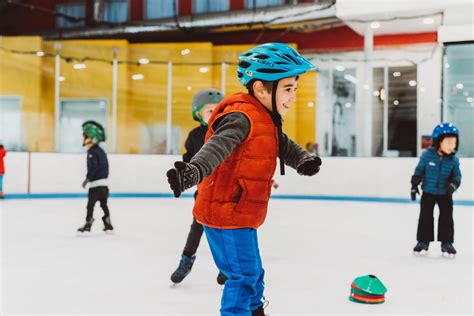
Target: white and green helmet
(202, 98)
(93, 130)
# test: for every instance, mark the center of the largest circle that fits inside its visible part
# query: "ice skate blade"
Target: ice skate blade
(448, 255)
(420, 253)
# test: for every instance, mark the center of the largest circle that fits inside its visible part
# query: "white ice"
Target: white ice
(311, 250)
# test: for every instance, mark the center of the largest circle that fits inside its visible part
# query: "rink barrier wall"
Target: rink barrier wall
(52, 175)
(187, 195)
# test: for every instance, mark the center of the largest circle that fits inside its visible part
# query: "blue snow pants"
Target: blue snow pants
(236, 254)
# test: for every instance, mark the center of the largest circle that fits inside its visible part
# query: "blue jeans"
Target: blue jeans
(236, 254)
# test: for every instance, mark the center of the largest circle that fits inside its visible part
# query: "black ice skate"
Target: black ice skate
(221, 278)
(184, 268)
(260, 311)
(107, 224)
(86, 227)
(448, 250)
(421, 248)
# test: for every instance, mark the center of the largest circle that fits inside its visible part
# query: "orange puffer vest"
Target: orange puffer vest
(236, 194)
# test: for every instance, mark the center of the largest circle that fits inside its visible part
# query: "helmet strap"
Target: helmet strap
(277, 120)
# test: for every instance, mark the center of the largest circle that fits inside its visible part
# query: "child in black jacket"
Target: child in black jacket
(202, 105)
(97, 174)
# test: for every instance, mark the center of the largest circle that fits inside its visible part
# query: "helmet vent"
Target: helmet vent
(293, 59)
(270, 71)
(244, 64)
(262, 56)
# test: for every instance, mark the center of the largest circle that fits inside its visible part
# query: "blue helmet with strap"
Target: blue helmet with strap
(271, 62)
(442, 130)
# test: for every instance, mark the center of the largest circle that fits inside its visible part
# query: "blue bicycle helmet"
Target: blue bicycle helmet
(442, 130)
(271, 62)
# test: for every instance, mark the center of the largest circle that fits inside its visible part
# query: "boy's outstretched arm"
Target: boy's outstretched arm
(229, 131)
(299, 159)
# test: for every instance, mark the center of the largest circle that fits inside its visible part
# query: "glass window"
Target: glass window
(159, 9)
(116, 11)
(204, 6)
(73, 113)
(337, 112)
(459, 93)
(400, 114)
(343, 113)
(250, 4)
(77, 10)
(10, 123)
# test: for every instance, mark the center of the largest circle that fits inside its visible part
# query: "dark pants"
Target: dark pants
(445, 221)
(194, 237)
(100, 194)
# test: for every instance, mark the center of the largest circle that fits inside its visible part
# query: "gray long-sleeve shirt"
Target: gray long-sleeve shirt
(231, 130)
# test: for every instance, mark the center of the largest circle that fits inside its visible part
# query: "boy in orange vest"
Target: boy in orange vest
(234, 169)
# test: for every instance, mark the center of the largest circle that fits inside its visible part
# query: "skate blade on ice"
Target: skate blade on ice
(448, 255)
(420, 253)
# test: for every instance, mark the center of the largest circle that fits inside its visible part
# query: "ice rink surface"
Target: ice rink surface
(311, 250)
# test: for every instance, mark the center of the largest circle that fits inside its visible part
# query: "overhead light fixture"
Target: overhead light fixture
(143, 61)
(79, 66)
(40, 54)
(138, 77)
(397, 73)
(396, 102)
(412, 83)
(203, 69)
(189, 88)
(185, 52)
(61, 78)
(348, 104)
(310, 104)
(428, 21)
(339, 68)
(375, 93)
(375, 25)
(459, 86)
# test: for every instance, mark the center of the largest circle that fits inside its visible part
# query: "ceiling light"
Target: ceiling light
(375, 25)
(143, 61)
(138, 77)
(79, 66)
(428, 21)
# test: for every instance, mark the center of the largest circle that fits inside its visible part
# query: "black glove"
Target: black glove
(84, 183)
(452, 187)
(183, 176)
(309, 167)
(414, 192)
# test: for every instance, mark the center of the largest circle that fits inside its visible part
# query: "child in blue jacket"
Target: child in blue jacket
(439, 174)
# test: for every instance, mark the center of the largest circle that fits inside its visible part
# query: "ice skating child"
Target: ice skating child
(203, 104)
(438, 172)
(3, 153)
(234, 169)
(97, 174)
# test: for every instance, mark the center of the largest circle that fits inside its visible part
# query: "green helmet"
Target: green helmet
(202, 98)
(93, 130)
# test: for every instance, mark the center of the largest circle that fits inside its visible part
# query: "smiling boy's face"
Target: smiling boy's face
(285, 94)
